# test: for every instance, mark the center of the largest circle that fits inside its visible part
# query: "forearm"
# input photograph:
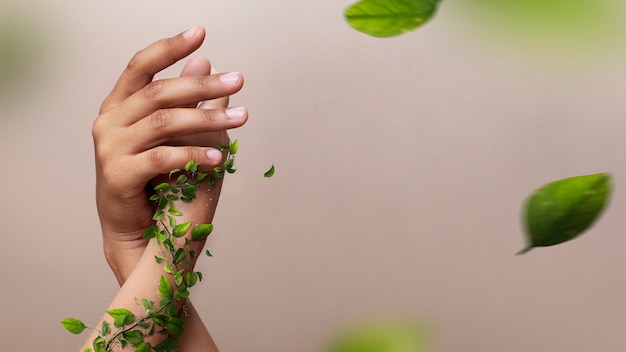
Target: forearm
(139, 276)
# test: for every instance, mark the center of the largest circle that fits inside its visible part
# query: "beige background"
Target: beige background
(401, 167)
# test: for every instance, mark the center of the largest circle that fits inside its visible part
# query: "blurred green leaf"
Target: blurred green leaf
(382, 337)
(388, 18)
(562, 210)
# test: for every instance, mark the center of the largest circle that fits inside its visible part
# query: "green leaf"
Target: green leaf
(87, 349)
(201, 232)
(270, 172)
(143, 347)
(143, 324)
(167, 267)
(181, 229)
(388, 18)
(234, 146)
(165, 288)
(74, 326)
(382, 337)
(158, 319)
(167, 345)
(149, 305)
(162, 187)
(161, 236)
(201, 176)
(154, 197)
(158, 215)
(191, 278)
(181, 179)
(175, 326)
(199, 275)
(208, 253)
(151, 232)
(98, 344)
(173, 172)
(192, 166)
(133, 336)
(179, 256)
(562, 210)
(105, 329)
(178, 277)
(121, 317)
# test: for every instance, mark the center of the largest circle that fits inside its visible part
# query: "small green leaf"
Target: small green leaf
(173, 172)
(98, 344)
(270, 172)
(175, 326)
(143, 324)
(74, 326)
(388, 18)
(181, 179)
(165, 289)
(149, 305)
(208, 253)
(178, 277)
(158, 319)
(562, 210)
(179, 256)
(143, 347)
(162, 187)
(158, 215)
(191, 278)
(105, 329)
(234, 146)
(199, 275)
(181, 229)
(192, 166)
(154, 197)
(133, 336)
(161, 236)
(151, 232)
(201, 176)
(121, 317)
(201, 232)
(167, 345)
(167, 267)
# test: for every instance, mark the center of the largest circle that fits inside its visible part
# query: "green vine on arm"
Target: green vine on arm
(164, 318)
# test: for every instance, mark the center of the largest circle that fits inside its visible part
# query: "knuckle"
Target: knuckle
(208, 116)
(157, 156)
(202, 82)
(153, 89)
(161, 119)
(135, 62)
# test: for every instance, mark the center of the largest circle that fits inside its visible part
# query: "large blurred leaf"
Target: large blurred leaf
(562, 210)
(388, 18)
(382, 337)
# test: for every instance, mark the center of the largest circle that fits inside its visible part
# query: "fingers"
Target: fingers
(161, 160)
(199, 66)
(181, 91)
(166, 124)
(147, 62)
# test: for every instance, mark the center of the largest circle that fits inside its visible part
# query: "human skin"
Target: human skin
(145, 129)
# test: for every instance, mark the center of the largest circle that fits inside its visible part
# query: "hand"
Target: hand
(147, 128)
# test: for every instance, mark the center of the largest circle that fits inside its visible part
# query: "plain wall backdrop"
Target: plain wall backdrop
(401, 167)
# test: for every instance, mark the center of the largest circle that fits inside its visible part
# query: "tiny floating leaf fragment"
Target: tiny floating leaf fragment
(269, 173)
(388, 18)
(562, 210)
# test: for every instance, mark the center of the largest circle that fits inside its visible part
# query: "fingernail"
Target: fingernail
(214, 154)
(191, 32)
(230, 78)
(235, 113)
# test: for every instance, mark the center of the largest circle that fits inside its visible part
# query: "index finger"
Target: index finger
(147, 62)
